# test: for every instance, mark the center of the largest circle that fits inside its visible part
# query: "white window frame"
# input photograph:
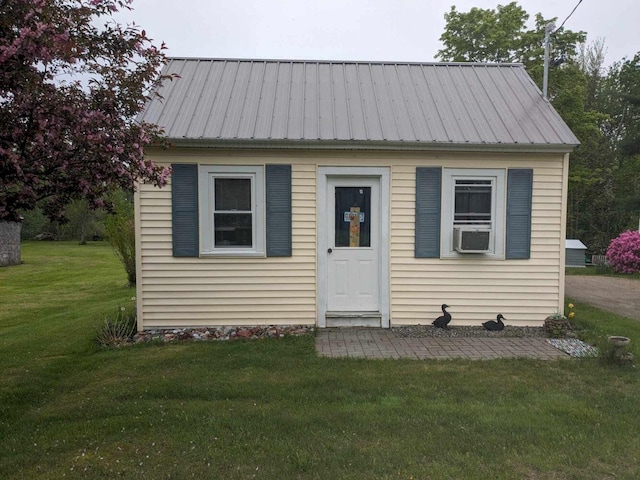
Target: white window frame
(207, 175)
(498, 202)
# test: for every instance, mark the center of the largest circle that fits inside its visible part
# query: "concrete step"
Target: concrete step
(354, 319)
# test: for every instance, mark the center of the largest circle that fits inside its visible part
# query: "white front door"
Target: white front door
(353, 246)
(353, 238)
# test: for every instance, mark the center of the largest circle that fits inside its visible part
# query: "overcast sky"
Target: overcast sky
(382, 30)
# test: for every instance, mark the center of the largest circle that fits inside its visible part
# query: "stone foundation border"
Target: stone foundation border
(222, 333)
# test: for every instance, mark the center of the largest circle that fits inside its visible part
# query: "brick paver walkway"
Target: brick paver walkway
(377, 343)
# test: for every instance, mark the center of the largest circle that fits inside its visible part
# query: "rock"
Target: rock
(244, 333)
(221, 333)
(421, 331)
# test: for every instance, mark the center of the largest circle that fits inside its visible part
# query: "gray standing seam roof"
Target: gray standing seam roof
(318, 104)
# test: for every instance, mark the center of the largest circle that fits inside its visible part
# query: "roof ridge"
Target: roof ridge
(343, 62)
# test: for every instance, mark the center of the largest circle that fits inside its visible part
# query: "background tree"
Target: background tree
(501, 35)
(71, 82)
(602, 109)
(84, 224)
(624, 84)
(591, 62)
(621, 100)
(484, 35)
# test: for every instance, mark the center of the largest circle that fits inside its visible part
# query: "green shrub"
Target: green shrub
(35, 223)
(120, 233)
(83, 222)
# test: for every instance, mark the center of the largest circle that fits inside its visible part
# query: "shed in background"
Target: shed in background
(575, 252)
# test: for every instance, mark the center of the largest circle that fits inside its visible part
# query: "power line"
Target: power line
(565, 20)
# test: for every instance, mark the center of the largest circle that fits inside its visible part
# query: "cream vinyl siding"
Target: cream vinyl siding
(186, 292)
(524, 291)
(183, 292)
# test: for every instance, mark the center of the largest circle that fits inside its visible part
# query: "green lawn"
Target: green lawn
(273, 409)
(599, 270)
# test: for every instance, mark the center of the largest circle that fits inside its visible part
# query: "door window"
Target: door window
(353, 217)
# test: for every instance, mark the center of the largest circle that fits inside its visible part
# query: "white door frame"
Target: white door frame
(321, 227)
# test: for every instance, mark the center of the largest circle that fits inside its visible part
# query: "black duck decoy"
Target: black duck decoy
(443, 320)
(495, 325)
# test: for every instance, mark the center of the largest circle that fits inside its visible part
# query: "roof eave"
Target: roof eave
(370, 145)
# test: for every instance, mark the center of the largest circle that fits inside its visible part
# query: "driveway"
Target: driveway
(612, 294)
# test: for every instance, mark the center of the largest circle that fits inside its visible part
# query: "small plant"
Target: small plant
(556, 316)
(557, 325)
(117, 330)
(623, 253)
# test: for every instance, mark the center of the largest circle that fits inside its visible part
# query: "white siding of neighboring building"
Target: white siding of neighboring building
(260, 291)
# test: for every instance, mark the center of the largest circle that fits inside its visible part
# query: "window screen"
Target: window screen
(473, 202)
(232, 214)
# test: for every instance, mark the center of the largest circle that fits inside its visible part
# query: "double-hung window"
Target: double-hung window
(231, 210)
(473, 202)
(473, 212)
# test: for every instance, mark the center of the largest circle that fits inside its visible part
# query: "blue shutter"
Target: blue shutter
(428, 188)
(184, 210)
(519, 193)
(278, 221)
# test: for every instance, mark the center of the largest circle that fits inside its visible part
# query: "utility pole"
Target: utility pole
(545, 79)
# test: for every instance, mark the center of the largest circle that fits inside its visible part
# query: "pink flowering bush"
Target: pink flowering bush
(623, 253)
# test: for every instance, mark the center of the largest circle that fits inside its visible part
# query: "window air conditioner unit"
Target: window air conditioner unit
(471, 239)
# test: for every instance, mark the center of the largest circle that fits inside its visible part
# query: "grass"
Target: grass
(594, 326)
(274, 409)
(592, 270)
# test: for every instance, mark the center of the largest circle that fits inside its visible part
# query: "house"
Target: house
(352, 193)
(575, 253)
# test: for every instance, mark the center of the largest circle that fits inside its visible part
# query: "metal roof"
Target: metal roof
(574, 244)
(317, 104)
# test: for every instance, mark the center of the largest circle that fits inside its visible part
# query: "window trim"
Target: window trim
(498, 210)
(206, 178)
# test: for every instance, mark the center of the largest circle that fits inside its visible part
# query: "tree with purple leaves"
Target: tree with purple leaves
(71, 83)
